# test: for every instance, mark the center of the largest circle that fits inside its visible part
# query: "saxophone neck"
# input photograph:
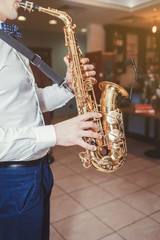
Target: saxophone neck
(59, 14)
(30, 6)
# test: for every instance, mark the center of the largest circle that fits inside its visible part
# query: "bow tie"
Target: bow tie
(11, 30)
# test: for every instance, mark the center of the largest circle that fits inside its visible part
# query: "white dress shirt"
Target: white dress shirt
(23, 134)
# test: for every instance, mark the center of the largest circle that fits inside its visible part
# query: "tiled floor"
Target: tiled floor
(89, 205)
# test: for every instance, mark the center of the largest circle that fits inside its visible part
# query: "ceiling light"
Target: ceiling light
(83, 30)
(21, 18)
(154, 9)
(52, 22)
(154, 29)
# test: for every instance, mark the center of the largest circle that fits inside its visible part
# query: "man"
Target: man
(25, 176)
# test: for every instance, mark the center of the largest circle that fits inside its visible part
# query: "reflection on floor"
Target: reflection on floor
(89, 205)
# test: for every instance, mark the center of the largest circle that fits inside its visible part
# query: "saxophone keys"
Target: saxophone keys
(113, 117)
(115, 135)
(84, 159)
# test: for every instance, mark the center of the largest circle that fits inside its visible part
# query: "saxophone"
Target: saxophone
(111, 150)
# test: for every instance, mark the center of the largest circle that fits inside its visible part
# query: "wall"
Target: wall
(56, 42)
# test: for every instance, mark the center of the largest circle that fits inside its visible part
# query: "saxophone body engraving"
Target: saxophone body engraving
(111, 150)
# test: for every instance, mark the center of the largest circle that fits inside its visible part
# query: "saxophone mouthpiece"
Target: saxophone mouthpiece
(30, 6)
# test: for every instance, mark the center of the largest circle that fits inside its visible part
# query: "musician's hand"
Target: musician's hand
(72, 131)
(87, 68)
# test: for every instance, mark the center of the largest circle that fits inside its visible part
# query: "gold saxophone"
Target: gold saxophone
(111, 150)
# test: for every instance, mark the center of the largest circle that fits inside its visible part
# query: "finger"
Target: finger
(87, 146)
(89, 115)
(94, 81)
(90, 125)
(91, 79)
(66, 60)
(90, 73)
(88, 67)
(84, 60)
(91, 134)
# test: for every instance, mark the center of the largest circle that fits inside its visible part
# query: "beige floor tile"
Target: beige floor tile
(155, 189)
(142, 163)
(63, 207)
(73, 183)
(77, 167)
(145, 229)
(156, 216)
(63, 155)
(97, 177)
(56, 191)
(126, 169)
(54, 235)
(61, 171)
(138, 148)
(142, 179)
(82, 226)
(117, 214)
(130, 156)
(75, 149)
(92, 197)
(120, 187)
(113, 236)
(144, 201)
(154, 170)
(68, 158)
(58, 152)
(54, 164)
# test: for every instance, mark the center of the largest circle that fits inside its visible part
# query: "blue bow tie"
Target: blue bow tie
(11, 30)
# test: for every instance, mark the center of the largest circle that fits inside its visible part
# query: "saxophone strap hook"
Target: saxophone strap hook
(128, 62)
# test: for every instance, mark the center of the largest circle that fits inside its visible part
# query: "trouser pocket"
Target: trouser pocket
(27, 191)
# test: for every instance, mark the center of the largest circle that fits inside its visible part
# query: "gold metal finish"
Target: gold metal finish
(111, 150)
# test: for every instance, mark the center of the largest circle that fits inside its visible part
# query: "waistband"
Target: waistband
(19, 164)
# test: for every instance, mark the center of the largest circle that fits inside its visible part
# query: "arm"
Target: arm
(54, 97)
(28, 143)
(25, 143)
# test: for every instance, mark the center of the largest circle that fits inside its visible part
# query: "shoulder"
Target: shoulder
(5, 51)
(4, 47)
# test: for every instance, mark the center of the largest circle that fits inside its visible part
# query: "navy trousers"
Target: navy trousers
(24, 202)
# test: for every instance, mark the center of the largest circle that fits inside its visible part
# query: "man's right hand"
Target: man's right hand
(72, 131)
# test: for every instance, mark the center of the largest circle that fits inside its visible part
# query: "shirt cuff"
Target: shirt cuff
(68, 94)
(46, 135)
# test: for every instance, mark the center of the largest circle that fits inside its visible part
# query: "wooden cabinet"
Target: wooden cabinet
(147, 45)
(151, 49)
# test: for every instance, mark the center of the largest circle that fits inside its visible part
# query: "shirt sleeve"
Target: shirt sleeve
(26, 143)
(52, 97)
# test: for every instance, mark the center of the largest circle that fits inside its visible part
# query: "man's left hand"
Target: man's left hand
(87, 68)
